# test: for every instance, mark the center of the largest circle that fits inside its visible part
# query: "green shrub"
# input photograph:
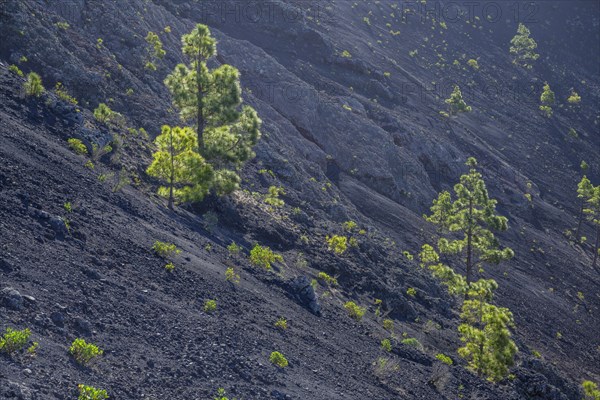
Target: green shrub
(456, 103)
(84, 352)
(272, 198)
(15, 70)
(591, 391)
(210, 306)
(386, 345)
(91, 393)
(105, 115)
(264, 256)
(536, 354)
(350, 226)
(14, 340)
(473, 64)
(234, 249)
(62, 25)
(278, 359)
(232, 276)
(62, 94)
(170, 267)
(77, 146)
(220, 391)
(412, 292)
(33, 85)
(388, 325)
(31, 350)
(281, 324)
(164, 249)
(338, 244)
(412, 342)
(574, 98)
(346, 54)
(89, 164)
(444, 358)
(327, 279)
(354, 311)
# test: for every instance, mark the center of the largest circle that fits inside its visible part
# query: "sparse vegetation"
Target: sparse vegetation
(386, 345)
(61, 93)
(14, 340)
(232, 276)
(77, 146)
(444, 358)
(326, 279)
(278, 359)
(91, 393)
(84, 352)
(16, 70)
(455, 102)
(164, 249)
(354, 311)
(210, 306)
(281, 324)
(272, 197)
(263, 256)
(547, 99)
(388, 325)
(590, 390)
(523, 48)
(33, 85)
(336, 243)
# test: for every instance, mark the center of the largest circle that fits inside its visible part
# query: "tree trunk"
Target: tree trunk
(199, 116)
(469, 248)
(579, 223)
(172, 177)
(596, 247)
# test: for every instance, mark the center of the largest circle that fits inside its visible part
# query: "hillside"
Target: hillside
(350, 95)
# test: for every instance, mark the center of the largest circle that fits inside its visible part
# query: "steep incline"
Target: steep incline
(351, 136)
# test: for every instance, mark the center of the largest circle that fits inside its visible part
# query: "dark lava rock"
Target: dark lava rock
(305, 293)
(59, 227)
(280, 396)
(58, 318)
(83, 326)
(412, 354)
(11, 298)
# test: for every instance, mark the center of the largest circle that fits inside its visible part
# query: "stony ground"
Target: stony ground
(378, 161)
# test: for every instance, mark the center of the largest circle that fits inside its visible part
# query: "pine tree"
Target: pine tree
(155, 51)
(592, 210)
(485, 333)
(441, 211)
(585, 190)
(547, 99)
(456, 103)
(473, 214)
(485, 328)
(33, 85)
(226, 130)
(178, 165)
(523, 48)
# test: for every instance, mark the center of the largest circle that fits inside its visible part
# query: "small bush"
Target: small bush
(62, 94)
(354, 311)
(232, 276)
(574, 98)
(164, 249)
(77, 146)
(412, 342)
(272, 198)
(234, 249)
(15, 70)
(91, 393)
(444, 358)
(591, 391)
(210, 306)
(412, 292)
(281, 324)
(14, 340)
(536, 354)
(388, 325)
(33, 85)
(84, 352)
(346, 54)
(337, 244)
(31, 350)
(473, 64)
(105, 115)
(386, 345)
(278, 359)
(170, 267)
(327, 279)
(62, 25)
(264, 256)
(350, 226)
(220, 391)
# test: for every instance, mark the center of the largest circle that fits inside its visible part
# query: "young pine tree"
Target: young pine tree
(485, 333)
(547, 99)
(154, 50)
(226, 130)
(178, 165)
(441, 211)
(456, 103)
(585, 190)
(592, 210)
(473, 216)
(523, 48)
(33, 85)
